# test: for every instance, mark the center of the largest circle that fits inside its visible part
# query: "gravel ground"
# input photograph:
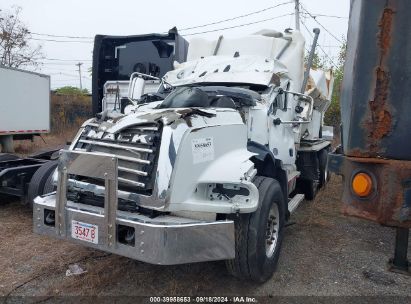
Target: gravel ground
(324, 253)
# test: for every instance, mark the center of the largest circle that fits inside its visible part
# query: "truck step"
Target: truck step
(294, 202)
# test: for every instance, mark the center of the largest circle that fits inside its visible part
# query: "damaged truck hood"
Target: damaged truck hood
(116, 123)
(224, 69)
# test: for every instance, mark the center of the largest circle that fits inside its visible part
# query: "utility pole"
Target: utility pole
(297, 15)
(79, 72)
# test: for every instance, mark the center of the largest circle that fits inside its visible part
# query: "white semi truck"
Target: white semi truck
(209, 167)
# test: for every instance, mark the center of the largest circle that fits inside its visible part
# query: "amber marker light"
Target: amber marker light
(362, 184)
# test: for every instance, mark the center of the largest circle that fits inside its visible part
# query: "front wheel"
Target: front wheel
(324, 172)
(42, 181)
(259, 235)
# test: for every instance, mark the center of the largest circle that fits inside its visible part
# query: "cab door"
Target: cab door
(281, 135)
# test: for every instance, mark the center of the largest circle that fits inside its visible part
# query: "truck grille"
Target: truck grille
(136, 149)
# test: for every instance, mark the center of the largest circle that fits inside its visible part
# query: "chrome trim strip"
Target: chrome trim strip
(116, 146)
(130, 182)
(128, 170)
(131, 159)
(133, 128)
(120, 157)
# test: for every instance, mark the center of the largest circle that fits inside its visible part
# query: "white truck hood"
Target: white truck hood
(223, 69)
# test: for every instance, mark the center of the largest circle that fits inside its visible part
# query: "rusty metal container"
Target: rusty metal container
(376, 91)
(376, 111)
(376, 120)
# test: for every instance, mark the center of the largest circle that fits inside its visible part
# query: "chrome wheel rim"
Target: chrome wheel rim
(272, 230)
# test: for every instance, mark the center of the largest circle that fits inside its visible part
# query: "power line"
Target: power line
(327, 16)
(58, 63)
(237, 17)
(64, 74)
(332, 46)
(63, 41)
(183, 29)
(325, 53)
(61, 36)
(75, 60)
(58, 71)
(65, 80)
(55, 70)
(332, 35)
(235, 26)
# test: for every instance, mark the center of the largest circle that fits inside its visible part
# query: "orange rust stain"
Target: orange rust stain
(381, 119)
(358, 211)
(370, 160)
(380, 123)
(358, 153)
(385, 33)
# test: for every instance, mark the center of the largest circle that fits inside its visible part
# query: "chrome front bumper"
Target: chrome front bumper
(164, 240)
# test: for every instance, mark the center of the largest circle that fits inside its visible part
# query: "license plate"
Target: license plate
(85, 232)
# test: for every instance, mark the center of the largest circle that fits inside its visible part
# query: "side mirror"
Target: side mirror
(136, 88)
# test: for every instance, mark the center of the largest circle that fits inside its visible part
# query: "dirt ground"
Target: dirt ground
(324, 253)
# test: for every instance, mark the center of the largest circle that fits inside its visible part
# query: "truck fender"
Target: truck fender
(266, 165)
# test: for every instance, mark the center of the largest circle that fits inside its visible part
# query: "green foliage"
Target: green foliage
(68, 90)
(318, 62)
(333, 116)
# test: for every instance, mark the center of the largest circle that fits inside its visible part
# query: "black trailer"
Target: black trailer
(375, 155)
(27, 177)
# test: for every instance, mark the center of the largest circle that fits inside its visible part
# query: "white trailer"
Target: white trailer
(25, 105)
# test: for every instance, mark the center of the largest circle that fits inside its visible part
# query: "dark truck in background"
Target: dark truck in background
(115, 58)
(375, 154)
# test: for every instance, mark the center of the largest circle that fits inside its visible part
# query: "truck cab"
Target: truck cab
(207, 167)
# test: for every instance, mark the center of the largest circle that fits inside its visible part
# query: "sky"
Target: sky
(86, 18)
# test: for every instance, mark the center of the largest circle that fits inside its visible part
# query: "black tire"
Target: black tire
(309, 188)
(324, 172)
(41, 181)
(7, 156)
(49, 186)
(251, 261)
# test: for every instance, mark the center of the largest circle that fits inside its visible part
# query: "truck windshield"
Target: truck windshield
(210, 96)
(148, 57)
